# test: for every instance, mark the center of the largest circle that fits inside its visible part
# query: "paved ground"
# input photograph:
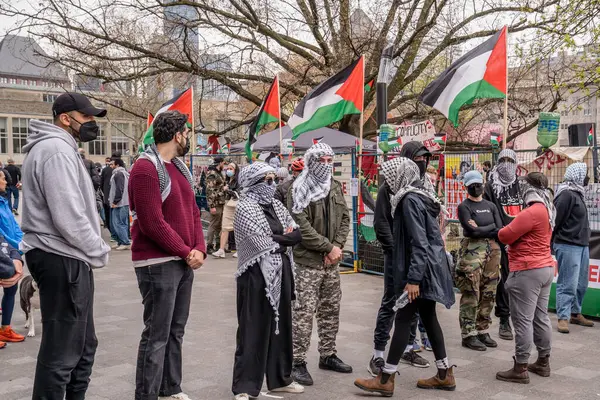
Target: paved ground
(210, 340)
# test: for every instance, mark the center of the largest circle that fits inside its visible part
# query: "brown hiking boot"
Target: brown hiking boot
(517, 374)
(541, 367)
(443, 380)
(579, 319)
(563, 326)
(382, 384)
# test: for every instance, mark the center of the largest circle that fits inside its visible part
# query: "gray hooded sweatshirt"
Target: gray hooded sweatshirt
(59, 205)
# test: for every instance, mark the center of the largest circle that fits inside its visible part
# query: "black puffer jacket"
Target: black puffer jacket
(419, 256)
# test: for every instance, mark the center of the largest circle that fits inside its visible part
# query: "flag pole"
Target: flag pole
(279, 107)
(362, 122)
(194, 140)
(506, 96)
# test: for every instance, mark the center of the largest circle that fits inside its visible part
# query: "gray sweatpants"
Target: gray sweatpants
(528, 293)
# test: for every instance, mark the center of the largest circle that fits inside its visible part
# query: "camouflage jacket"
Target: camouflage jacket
(215, 195)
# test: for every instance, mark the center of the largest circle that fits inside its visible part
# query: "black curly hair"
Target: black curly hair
(167, 124)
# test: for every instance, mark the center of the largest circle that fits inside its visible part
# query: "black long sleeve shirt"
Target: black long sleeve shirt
(571, 225)
(486, 216)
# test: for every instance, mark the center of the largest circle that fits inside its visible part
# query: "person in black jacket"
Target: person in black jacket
(105, 176)
(383, 224)
(421, 269)
(13, 188)
(571, 238)
(502, 189)
(478, 267)
(91, 169)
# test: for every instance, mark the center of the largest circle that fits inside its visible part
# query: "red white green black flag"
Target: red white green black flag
(269, 112)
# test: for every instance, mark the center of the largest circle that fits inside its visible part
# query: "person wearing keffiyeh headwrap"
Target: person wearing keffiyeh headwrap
(503, 190)
(421, 269)
(531, 273)
(317, 204)
(571, 239)
(265, 233)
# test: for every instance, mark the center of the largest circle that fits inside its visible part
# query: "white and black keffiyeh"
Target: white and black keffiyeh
(574, 179)
(401, 174)
(532, 194)
(254, 235)
(314, 182)
(504, 175)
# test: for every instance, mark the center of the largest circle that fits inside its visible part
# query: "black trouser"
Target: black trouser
(259, 350)
(107, 224)
(166, 294)
(404, 318)
(502, 305)
(385, 316)
(69, 342)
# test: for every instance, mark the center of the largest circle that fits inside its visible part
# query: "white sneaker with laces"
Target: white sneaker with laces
(123, 247)
(293, 387)
(235, 255)
(219, 254)
(242, 396)
(178, 396)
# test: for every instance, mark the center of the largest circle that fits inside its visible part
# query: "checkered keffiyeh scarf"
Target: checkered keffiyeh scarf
(401, 173)
(252, 181)
(574, 178)
(314, 182)
(253, 234)
(164, 179)
(504, 175)
(532, 194)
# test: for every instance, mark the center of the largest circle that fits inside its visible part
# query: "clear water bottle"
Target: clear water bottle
(401, 302)
(5, 248)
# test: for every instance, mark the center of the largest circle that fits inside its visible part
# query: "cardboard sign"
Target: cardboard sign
(422, 131)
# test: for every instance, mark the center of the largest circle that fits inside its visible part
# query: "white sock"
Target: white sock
(390, 368)
(442, 364)
(378, 353)
(408, 348)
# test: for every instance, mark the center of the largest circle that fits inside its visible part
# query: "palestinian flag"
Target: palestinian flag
(366, 210)
(317, 140)
(495, 139)
(149, 120)
(268, 112)
(183, 103)
(440, 138)
(369, 86)
(591, 136)
(343, 94)
(479, 74)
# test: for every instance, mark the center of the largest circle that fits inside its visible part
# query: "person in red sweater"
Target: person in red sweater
(528, 284)
(168, 245)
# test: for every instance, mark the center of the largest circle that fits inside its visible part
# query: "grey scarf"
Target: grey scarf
(532, 195)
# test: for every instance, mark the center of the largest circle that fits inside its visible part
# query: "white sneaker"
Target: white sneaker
(178, 396)
(235, 255)
(242, 396)
(123, 247)
(114, 246)
(219, 254)
(293, 387)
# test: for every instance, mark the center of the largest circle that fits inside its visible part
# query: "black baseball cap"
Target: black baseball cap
(75, 102)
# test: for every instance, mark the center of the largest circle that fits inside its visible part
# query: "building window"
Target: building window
(98, 146)
(49, 98)
(119, 139)
(3, 80)
(13, 81)
(3, 136)
(20, 129)
(587, 112)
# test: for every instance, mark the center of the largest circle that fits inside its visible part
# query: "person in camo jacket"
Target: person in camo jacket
(215, 197)
(318, 206)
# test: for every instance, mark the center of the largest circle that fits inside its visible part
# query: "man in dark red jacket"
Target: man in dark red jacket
(168, 245)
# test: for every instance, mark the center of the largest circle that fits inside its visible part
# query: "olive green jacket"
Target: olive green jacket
(313, 225)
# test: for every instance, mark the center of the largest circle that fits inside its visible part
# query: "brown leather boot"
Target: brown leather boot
(579, 319)
(541, 367)
(517, 374)
(382, 384)
(443, 380)
(563, 326)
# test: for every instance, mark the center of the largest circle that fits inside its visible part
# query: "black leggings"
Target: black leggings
(404, 316)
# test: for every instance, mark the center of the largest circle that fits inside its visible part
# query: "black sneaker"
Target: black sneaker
(505, 331)
(473, 343)
(412, 358)
(376, 365)
(486, 339)
(210, 249)
(301, 375)
(333, 363)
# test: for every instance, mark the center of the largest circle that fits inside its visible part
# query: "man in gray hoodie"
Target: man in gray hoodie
(119, 202)
(62, 244)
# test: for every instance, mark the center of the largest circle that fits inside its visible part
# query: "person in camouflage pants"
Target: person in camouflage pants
(478, 268)
(215, 197)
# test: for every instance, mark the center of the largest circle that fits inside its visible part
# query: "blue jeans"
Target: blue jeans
(12, 191)
(573, 268)
(8, 304)
(119, 218)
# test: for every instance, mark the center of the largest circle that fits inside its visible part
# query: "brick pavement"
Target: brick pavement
(210, 343)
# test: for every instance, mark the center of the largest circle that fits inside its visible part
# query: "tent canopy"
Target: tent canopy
(339, 141)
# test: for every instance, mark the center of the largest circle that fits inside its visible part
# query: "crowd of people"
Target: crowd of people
(289, 232)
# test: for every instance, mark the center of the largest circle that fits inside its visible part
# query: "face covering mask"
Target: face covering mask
(229, 173)
(269, 181)
(475, 190)
(422, 167)
(586, 181)
(88, 131)
(183, 150)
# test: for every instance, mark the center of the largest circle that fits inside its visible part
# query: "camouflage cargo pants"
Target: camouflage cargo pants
(477, 278)
(318, 292)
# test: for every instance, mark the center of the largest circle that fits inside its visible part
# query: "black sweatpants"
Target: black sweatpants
(404, 318)
(166, 291)
(259, 350)
(69, 342)
(502, 304)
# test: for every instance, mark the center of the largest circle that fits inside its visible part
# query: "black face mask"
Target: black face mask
(88, 131)
(269, 181)
(183, 150)
(586, 181)
(422, 167)
(475, 190)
